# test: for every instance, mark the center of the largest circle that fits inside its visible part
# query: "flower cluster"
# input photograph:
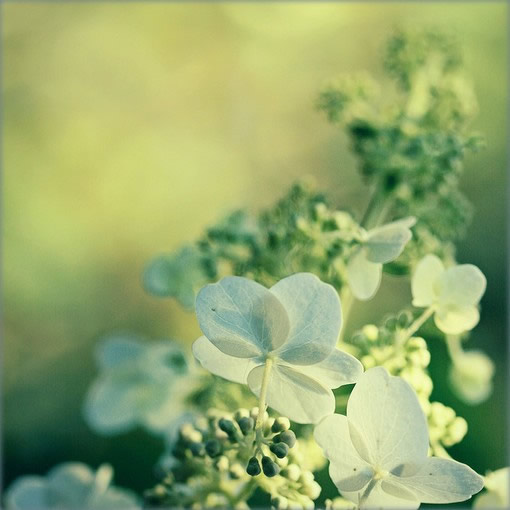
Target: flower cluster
(220, 460)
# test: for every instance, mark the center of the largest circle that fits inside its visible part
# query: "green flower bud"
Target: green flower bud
(287, 436)
(227, 426)
(197, 449)
(269, 467)
(213, 447)
(404, 318)
(253, 468)
(281, 424)
(280, 503)
(280, 449)
(246, 425)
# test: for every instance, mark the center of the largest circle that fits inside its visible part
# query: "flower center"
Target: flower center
(380, 473)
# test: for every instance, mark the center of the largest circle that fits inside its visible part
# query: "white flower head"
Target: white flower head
(70, 485)
(379, 246)
(497, 490)
(378, 452)
(454, 293)
(139, 383)
(471, 376)
(293, 326)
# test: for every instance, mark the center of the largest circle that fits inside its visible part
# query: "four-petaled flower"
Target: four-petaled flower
(378, 452)
(379, 246)
(454, 293)
(293, 327)
(71, 485)
(140, 383)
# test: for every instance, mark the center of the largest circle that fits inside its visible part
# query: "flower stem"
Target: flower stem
(263, 393)
(454, 347)
(417, 324)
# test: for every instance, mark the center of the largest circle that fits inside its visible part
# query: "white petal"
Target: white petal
(337, 369)
(461, 285)
(218, 363)
(364, 277)
(453, 319)
(425, 279)
(112, 403)
(72, 482)
(117, 349)
(347, 469)
(443, 481)
(315, 315)
(28, 493)
(241, 317)
(294, 395)
(115, 498)
(386, 413)
(386, 243)
(383, 495)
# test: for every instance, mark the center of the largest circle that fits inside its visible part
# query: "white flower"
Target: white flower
(380, 245)
(139, 384)
(293, 327)
(471, 376)
(454, 293)
(378, 452)
(496, 494)
(71, 485)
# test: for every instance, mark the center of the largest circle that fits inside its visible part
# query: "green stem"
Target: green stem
(453, 344)
(263, 394)
(245, 492)
(417, 324)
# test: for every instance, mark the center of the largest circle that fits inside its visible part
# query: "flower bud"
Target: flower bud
(246, 424)
(222, 463)
(287, 436)
(281, 424)
(292, 472)
(197, 449)
(269, 467)
(279, 503)
(280, 449)
(371, 332)
(213, 447)
(253, 468)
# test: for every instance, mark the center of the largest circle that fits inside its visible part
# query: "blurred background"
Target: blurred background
(128, 128)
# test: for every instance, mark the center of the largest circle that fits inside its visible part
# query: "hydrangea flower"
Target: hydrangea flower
(378, 452)
(471, 376)
(497, 493)
(453, 293)
(139, 384)
(379, 246)
(71, 485)
(293, 327)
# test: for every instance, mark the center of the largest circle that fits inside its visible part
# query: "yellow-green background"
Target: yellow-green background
(129, 127)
